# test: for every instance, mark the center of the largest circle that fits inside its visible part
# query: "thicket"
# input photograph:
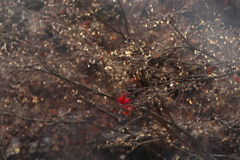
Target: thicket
(122, 79)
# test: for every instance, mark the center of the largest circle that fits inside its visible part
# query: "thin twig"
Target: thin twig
(191, 47)
(107, 24)
(50, 122)
(201, 150)
(125, 19)
(75, 83)
(101, 109)
(184, 7)
(145, 6)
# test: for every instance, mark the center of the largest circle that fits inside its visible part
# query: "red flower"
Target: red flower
(129, 107)
(127, 113)
(127, 110)
(209, 70)
(237, 78)
(123, 99)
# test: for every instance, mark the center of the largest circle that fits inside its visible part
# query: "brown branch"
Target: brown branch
(145, 6)
(201, 77)
(125, 19)
(60, 121)
(191, 47)
(30, 139)
(163, 105)
(111, 27)
(2, 155)
(101, 109)
(201, 150)
(51, 72)
(184, 150)
(107, 24)
(184, 7)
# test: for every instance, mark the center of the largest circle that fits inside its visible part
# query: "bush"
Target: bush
(99, 79)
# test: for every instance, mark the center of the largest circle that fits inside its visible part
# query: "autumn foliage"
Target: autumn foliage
(117, 79)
